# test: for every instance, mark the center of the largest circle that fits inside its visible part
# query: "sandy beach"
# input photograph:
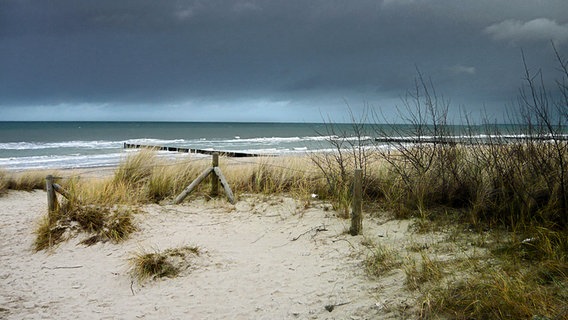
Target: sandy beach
(262, 258)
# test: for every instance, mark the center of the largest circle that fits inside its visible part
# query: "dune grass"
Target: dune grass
(23, 181)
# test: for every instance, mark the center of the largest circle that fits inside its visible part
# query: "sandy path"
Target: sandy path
(262, 259)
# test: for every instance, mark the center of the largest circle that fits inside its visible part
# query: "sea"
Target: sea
(73, 145)
(76, 145)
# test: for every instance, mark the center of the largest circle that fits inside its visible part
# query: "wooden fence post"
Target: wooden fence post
(357, 206)
(51, 198)
(214, 178)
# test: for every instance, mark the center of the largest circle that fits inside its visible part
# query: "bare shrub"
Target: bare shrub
(350, 149)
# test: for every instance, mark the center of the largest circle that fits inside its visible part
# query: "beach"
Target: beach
(282, 250)
(262, 258)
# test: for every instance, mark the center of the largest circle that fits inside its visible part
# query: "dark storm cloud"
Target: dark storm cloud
(290, 54)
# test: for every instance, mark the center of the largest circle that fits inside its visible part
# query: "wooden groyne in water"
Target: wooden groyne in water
(190, 150)
(465, 140)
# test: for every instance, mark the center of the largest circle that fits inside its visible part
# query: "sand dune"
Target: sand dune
(263, 258)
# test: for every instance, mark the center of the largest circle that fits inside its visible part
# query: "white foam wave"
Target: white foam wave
(58, 145)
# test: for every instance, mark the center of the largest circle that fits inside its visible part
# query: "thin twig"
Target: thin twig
(352, 246)
(316, 229)
(262, 236)
(63, 267)
(330, 307)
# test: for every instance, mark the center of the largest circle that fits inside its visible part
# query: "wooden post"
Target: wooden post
(225, 184)
(214, 178)
(51, 198)
(357, 206)
(189, 188)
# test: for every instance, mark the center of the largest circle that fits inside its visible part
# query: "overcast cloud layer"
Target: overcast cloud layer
(288, 60)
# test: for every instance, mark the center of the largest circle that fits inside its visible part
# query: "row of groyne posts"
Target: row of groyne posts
(216, 177)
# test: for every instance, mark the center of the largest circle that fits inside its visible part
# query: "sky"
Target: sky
(278, 60)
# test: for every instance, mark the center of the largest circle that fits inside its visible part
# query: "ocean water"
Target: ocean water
(62, 145)
(67, 145)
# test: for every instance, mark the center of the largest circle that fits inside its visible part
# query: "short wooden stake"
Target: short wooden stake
(51, 198)
(214, 178)
(357, 206)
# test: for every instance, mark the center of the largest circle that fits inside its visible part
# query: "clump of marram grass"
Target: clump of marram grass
(136, 168)
(102, 223)
(169, 263)
(28, 180)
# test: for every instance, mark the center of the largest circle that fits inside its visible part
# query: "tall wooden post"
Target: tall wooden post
(51, 198)
(356, 205)
(214, 178)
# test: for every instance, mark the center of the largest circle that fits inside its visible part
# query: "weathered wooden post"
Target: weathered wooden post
(214, 178)
(356, 205)
(51, 198)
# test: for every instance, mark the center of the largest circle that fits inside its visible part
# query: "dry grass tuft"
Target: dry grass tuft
(155, 265)
(102, 223)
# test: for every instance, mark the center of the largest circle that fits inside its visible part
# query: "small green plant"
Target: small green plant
(155, 265)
